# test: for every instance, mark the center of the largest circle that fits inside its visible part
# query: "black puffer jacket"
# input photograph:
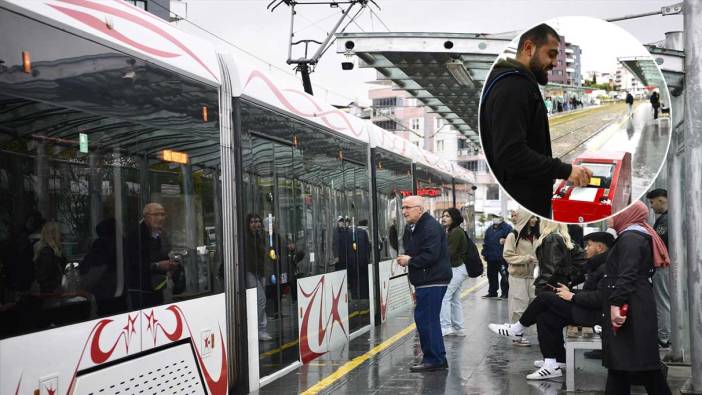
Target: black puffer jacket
(428, 248)
(516, 138)
(587, 303)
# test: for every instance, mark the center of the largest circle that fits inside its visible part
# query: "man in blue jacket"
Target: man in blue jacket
(493, 244)
(426, 255)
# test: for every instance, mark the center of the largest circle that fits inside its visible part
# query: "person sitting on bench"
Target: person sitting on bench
(553, 311)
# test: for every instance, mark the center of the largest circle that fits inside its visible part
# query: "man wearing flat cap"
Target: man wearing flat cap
(553, 311)
(658, 200)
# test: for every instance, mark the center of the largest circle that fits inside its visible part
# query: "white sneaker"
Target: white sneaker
(540, 362)
(459, 333)
(447, 332)
(504, 330)
(264, 336)
(545, 374)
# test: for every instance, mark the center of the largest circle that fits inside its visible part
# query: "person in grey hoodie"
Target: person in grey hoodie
(514, 124)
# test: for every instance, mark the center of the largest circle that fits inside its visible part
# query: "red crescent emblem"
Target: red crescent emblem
(178, 331)
(96, 354)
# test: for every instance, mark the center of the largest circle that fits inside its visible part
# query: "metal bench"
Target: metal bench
(594, 343)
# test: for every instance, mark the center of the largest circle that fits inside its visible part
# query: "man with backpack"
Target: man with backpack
(514, 124)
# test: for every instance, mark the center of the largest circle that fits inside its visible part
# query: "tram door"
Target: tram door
(272, 235)
(355, 204)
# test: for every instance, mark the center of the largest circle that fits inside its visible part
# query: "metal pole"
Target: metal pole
(679, 339)
(676, 247)
(693, 175)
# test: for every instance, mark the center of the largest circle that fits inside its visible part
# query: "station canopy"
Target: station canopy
(445, 71)
(644, 69)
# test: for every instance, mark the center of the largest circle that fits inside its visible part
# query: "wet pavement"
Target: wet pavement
(644, 137)
(480, 363)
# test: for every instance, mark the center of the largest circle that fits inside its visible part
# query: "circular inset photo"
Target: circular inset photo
(575, 119)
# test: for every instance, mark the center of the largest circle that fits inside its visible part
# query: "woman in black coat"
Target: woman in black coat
(632, 351)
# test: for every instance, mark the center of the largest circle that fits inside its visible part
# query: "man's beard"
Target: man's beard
(538, 70)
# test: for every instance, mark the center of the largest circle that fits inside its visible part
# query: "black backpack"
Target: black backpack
(474, 265)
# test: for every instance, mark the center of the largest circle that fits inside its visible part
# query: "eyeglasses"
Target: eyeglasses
(408, 207)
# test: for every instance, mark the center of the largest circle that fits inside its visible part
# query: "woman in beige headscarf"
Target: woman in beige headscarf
(519, 253)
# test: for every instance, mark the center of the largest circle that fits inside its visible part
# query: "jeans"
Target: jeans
(451, 308)
(662, 296)
(253, 280)
(426, 316)
(493, 269)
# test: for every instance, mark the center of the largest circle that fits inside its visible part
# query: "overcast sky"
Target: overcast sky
(248, 25)
(591, 34)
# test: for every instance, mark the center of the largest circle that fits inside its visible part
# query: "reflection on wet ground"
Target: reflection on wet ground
(480, 363)
(644, 137)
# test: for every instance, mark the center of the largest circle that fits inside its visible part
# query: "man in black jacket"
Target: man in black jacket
(147, 259)
(514, 124)
(426, 249)
(551, 312)
(658, 200)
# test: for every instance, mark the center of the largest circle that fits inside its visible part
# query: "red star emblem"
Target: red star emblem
(151, 321)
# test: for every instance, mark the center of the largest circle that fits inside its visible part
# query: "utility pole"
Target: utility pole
(305, 64)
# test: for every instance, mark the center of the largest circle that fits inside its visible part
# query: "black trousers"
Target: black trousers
(551, 314)
(619, 382)
(495, 268)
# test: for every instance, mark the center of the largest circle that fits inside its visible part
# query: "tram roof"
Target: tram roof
(126, 28)
(445, 71)
(119, 25)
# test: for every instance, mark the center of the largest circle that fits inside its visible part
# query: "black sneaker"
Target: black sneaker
(503, 296)
(489, 296)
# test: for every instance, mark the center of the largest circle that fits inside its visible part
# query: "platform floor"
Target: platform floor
(480, 363)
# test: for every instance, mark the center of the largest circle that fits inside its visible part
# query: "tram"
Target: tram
(175, 221)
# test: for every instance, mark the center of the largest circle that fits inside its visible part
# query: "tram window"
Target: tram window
(393, 182)
(129, 224)
(437, 190)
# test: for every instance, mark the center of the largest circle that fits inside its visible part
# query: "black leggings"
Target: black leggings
(619, 382)
(546, 301)
(551, 314)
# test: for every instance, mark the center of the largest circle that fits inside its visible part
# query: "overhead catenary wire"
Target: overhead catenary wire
(247, 52)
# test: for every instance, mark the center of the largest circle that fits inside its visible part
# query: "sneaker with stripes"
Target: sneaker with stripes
(540, 363)
(545, 373)
(504, 330)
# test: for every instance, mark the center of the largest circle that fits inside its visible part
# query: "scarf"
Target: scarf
(637, 214)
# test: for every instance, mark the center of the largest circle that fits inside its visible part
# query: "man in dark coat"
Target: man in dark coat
(629, 100)
(514, 124)
(655, 103)
(493, 246)
(147, 259)
(658, 200)
(551, 312)
(426, 249)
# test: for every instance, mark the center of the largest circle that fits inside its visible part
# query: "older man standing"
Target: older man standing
(426, 249)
